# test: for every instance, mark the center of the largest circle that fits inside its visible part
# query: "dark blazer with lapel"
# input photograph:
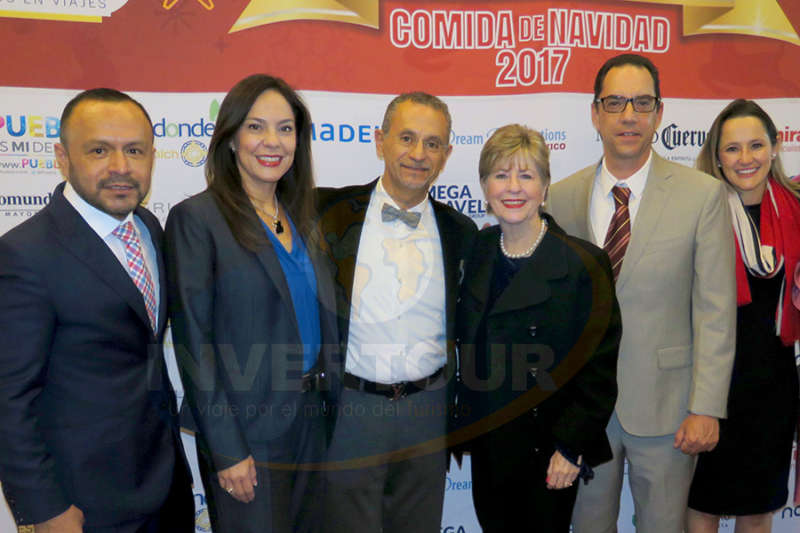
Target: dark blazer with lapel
(342, 212)
(236, 337)
(87, 413)
(539, 366)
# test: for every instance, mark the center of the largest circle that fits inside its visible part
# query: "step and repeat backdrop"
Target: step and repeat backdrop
(494, 63)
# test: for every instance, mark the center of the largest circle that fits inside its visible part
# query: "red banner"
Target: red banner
(704, 49)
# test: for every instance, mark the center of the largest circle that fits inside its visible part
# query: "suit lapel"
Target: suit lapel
(81, 241)
(341, 225)
(655, 196)
(268, 257)
(581, 204)
(452, 259)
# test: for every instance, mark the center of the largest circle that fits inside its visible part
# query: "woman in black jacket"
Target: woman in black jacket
(252, 309)
(539, 334)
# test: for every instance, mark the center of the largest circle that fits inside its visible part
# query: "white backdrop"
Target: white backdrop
(345, 154)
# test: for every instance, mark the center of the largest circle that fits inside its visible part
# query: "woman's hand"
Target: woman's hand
(239, 480)
(561, 473)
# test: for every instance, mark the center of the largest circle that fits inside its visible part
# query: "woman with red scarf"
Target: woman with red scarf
(747, 474)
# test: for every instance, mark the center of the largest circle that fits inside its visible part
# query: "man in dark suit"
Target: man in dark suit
(399, 256)
(88, 434)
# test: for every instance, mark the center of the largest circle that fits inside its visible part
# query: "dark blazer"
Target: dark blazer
(87, 413)
(548, 348)
(236, 337)
(342, 212)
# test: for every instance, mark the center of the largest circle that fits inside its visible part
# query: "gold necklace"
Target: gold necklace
(276, 223)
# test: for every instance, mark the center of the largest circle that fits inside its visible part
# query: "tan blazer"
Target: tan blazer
(677, 291)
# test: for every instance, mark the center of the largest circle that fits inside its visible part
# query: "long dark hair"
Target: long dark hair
(708, 159)
(295, 189)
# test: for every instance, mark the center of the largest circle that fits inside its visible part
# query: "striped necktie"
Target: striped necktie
(137, 269)
(619, 231)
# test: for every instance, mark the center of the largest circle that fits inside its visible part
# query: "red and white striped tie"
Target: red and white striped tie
(619, 231)
(137, 269)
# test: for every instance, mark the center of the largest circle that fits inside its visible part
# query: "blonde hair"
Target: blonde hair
(509, 141)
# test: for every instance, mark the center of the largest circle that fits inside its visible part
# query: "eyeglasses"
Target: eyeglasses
(617, 104)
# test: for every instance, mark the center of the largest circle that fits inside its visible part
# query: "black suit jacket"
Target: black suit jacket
(539, 365)
(236, 337)
(87, 413)
(342, 212)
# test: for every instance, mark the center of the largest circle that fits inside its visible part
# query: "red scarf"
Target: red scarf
(781, 230)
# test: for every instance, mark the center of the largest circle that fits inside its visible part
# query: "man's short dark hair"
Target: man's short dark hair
(626, 59)
(100, 94)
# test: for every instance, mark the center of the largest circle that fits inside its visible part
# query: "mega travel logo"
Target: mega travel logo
(461, 198)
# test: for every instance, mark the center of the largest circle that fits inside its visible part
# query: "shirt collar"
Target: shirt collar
(102, 223)
(635, 182)
(383, 197)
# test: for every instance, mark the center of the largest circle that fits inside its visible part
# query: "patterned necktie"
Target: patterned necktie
(137, 269)
(390, 213)
(619, 231)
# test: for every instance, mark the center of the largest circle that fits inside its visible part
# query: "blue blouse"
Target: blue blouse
(299, 273)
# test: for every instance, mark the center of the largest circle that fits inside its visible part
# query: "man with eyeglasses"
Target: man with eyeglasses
(667, 230)
(398, 257)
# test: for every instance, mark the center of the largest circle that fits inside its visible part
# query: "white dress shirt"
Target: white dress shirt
(397, 319)
(601, 205)
(104, 224)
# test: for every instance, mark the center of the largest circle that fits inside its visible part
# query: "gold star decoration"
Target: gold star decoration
(761, 18)
(260, 12)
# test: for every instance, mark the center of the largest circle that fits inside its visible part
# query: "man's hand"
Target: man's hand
(239, 480)
(70, 521)
(698, 433)
(560, 472)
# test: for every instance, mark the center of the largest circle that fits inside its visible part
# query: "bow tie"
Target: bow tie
(390, 213)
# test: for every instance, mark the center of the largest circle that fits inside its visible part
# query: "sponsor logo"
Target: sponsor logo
(556, 140)
(37, 126)
(454, 484)
(20, 148)
(344, 133)
(673, 136)
(30, 146)
(460, 198)
(23, 205)
(193, 153)
(790, 139)
(456, 138)
(65, 10)
(453, 529)
(790, 513)
(201, 128)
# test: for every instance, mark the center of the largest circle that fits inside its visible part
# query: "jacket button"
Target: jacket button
(532, 331)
